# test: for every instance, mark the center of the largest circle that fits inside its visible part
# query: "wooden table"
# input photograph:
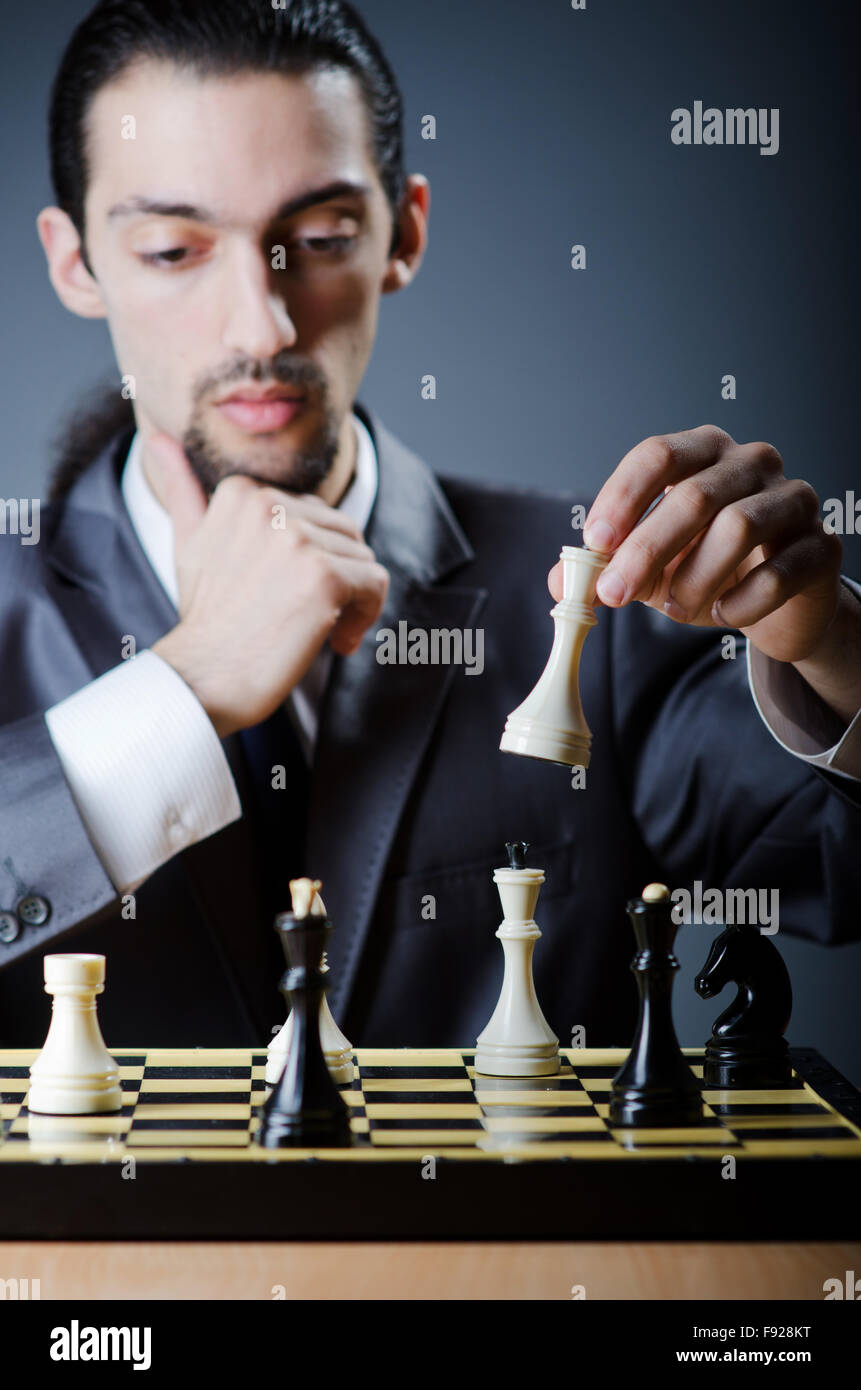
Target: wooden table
(479, 1270)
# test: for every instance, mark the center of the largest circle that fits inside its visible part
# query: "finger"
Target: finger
(297, 506)
(556, 585)
(363, 589)
(313, 508)
(773, 518)
(175, 484)
(642, 476)
(686, 509)
(775, 581)
(334, 542)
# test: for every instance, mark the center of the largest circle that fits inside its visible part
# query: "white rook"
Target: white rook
(74, 1073)
(550, 723)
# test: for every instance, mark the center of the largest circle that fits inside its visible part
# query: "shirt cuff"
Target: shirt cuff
(145, 766)
(801, 722)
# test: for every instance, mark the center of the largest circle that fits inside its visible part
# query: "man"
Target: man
(247, 531)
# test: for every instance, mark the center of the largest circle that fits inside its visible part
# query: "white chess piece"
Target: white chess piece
(74, 1073)
(550, 723)
(518, 1040)
(336, 1049)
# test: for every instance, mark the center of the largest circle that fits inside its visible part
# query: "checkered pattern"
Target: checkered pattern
(204, 1105)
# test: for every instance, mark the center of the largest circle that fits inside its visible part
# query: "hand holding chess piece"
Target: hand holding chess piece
(731, 543)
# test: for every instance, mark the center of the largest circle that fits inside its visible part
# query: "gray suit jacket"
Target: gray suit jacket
(410, 797)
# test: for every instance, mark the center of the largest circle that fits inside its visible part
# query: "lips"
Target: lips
(261, 411)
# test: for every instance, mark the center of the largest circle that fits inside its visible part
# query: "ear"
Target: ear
(408, 255)
(74, 285)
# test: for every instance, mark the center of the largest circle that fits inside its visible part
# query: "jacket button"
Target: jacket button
(33, 911)
(9, 928)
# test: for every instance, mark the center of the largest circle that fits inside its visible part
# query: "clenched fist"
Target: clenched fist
(265, 579)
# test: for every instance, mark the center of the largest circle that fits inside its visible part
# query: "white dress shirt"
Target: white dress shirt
(147, 770)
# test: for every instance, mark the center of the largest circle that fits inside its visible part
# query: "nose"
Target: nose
(257, 322)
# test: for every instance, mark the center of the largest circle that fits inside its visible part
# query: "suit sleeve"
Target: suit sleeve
(145, 766)
(102, 790)
(801, 722)
(45, 846)
(715, 797)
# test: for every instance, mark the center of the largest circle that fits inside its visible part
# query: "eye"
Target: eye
(325, 243)
(174, 256)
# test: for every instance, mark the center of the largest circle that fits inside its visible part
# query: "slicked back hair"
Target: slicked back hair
(218, 38)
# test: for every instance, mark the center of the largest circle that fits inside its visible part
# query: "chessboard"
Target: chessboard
(438, 1153)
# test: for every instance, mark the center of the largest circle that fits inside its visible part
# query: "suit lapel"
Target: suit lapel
(113, 591)
(377, 720)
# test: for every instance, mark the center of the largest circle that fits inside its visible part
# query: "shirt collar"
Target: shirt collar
(154, 528)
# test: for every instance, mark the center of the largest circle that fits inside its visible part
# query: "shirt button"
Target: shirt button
(9, 928)
(33, 910)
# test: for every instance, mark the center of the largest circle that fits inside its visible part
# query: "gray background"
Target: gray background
(553, 128)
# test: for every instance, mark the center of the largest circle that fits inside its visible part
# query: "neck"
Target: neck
(333, 487)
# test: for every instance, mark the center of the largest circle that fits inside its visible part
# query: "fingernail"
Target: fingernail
(599, 535)
(611, 587)
(717, 616)
(673, 610)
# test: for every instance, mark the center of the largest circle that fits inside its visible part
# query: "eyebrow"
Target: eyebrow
(340, 189)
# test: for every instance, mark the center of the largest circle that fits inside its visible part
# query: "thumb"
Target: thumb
(554, 582)
(556, 585)
(175, 485)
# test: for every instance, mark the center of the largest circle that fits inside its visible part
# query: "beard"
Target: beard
(302, 471)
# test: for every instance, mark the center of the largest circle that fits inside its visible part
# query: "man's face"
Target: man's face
(210, 280)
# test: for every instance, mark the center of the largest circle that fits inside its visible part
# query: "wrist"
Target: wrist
(833, 669)
(180, 650)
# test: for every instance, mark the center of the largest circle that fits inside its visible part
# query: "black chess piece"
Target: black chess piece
(747, 1048)
(305, 1109)
(516, 852)
(655, 1087)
